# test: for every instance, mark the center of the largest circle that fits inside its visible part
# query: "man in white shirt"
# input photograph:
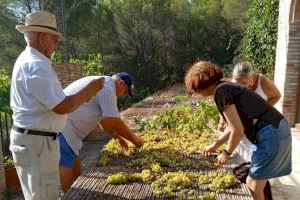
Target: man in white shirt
(101, 109)
(40, 108)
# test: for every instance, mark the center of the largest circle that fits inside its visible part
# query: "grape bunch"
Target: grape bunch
(145, 175)
(217, 180)
(117, 179)
(156, 168)
(103, 161)
(210, 196)
(172, 182)
(124, 178)
(203, 179)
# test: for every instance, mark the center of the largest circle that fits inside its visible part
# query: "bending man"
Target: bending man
(101, 108)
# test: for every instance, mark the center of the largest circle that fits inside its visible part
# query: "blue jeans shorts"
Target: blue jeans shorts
(67, 155)
(271, 156)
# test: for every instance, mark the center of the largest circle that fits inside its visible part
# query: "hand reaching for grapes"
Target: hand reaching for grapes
(138, 142)
(209, 149)
(122, 143)
(223, 158)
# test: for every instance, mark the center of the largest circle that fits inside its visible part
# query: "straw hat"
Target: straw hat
(40, 21)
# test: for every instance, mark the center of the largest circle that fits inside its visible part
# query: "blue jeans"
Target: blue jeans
(272, 155)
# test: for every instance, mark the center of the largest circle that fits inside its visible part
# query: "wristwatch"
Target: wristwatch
(226, 152)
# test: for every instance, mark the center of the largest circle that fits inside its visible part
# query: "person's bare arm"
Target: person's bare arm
(222, 124)
(236, 127)
(224, 136)
(270, 90)
(116, 126)
(70, 103)
(236, 132)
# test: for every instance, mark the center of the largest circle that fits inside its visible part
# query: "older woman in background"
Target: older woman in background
(243, 74)
(246, 113)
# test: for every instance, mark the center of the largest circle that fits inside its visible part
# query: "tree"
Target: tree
(11, 40)
(4, 91)
(155, 40)
(259, 42)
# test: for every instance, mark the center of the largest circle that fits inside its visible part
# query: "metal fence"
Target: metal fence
(5, 126)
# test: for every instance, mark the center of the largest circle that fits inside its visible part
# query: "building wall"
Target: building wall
(287, 66)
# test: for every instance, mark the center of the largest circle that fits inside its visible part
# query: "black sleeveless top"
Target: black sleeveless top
(249, 106)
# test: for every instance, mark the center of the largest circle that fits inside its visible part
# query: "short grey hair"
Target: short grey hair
(116, 77)
(243, 69)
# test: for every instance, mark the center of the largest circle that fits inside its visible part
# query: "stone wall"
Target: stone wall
(68, 73)
(287, 66)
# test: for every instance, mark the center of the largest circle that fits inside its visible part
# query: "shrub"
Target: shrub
(5, 81)
(259, 43)
(91, 64)
(8, 162)
(184, 117)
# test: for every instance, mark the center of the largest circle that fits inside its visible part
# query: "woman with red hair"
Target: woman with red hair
(246, 113)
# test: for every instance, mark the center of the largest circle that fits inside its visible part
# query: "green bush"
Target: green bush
(259, 43)
(184, 117)
(5, 81)
(8, 162)
(57, 57)
(91, 64)
(139, 94)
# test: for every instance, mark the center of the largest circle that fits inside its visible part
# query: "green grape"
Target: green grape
(155, 167)
(229, 180)
(221, 181)
(203, 179)
(191, 192)
(210, 196)
(146, 175)
(103, 159)
(172, 182)
(117, 179)
(157, 192)
(133, 177)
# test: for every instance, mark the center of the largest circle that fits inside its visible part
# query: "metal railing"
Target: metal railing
(5, 126)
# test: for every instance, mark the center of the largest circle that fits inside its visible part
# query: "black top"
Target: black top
(249, 106)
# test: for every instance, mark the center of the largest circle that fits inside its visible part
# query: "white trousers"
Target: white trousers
(244, 148)
(36, 159)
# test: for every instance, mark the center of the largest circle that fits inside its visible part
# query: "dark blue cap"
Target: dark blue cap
(128, 80)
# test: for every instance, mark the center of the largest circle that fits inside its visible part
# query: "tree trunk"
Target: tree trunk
(40, 5)
(28, 6)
